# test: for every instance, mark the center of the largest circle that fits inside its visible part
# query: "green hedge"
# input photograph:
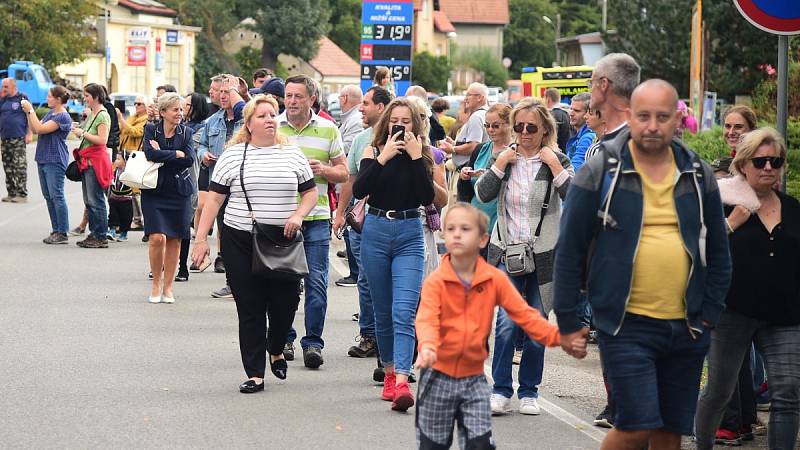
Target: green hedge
(710, 146)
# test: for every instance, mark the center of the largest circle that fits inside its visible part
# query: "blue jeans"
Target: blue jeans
(366, 315)
(393, 257)
(94, 197)
(317, 242)
(532, 364)
(653, 367)
(51, 179)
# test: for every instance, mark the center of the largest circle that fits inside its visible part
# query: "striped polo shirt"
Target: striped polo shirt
(319, 139)
(273, 177)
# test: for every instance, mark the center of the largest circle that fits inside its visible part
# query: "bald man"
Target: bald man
(349, 100)
(658, 275)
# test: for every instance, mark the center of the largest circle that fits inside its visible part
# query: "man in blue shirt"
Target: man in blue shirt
(14, 136)
(578, 144)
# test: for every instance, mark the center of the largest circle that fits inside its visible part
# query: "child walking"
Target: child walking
(453, 325)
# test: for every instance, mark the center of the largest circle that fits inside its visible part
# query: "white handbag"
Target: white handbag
(139, 172)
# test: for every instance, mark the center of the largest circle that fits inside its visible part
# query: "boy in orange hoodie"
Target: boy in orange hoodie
(453, 325)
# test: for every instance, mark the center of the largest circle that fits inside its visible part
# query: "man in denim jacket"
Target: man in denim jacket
(646, 215)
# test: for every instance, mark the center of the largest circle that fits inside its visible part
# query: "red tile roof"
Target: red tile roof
(490, 12)
(333, 61)
(441, 23)
(148, 7)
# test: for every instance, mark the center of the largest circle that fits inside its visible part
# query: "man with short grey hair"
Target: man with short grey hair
(584, 136)
(614, 78)
(473, 133)
(349, 101)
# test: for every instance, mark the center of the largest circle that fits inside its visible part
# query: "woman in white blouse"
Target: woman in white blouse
(273, 176)
(528, 179)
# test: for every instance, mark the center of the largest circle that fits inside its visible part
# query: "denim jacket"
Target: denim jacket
(213, 133)
(609, 231)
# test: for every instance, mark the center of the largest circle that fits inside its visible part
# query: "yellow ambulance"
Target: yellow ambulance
(569, 80)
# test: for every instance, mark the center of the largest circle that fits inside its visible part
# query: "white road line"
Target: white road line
(560, 413)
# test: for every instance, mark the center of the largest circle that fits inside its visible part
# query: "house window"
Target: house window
(172, 65)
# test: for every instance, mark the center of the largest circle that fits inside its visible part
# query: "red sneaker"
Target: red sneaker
(388, 387)
(728, 437)
(403, 398)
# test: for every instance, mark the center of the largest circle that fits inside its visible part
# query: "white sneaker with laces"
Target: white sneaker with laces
(529, 406)
(500, 404)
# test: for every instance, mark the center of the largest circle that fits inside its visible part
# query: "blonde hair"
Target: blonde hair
(536, 106)
(481, 219)
(244, 135)
(422, 111)
(168, 100)
(381, 133)
(751, 141)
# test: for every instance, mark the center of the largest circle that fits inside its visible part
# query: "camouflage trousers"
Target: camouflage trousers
(15, 165)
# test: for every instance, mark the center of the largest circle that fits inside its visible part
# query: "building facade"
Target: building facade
(144, 48)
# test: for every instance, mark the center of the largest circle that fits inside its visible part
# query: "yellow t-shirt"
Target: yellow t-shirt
(661, 265)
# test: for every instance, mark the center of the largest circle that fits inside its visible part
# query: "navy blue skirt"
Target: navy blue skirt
(170, 215)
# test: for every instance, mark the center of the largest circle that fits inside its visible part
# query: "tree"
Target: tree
(528, 40)
(346, 26)
(50, 32)
(431, 72)
(290, 28)
(482, 60)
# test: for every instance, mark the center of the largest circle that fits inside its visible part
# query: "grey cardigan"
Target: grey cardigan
(490, 187)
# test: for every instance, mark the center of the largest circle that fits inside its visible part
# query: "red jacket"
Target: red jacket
(456, 321)
(101, 163)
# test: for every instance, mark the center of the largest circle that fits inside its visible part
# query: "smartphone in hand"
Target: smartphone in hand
(399, 129)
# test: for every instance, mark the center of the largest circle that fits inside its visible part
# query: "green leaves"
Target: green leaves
(292, 28)
(431, 72)
(49, 32)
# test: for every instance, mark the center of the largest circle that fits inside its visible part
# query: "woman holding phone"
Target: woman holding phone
(396, 174)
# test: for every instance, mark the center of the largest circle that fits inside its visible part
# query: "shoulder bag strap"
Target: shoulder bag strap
(241, 183)
(545, 206)
(90, 126)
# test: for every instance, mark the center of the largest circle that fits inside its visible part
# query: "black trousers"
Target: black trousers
(257, 299)
(120, 214)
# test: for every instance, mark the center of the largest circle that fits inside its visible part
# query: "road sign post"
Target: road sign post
(387, 28)
(779, 17)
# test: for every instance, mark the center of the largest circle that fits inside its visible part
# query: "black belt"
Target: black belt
(393, 215)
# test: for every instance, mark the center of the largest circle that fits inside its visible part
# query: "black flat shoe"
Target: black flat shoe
(250, 387)
(279, 368)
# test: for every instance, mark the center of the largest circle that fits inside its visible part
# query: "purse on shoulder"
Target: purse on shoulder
(274, 256)
(139, 172)
(73, 172)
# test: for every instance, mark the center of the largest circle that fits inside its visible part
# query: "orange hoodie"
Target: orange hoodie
(456, 321)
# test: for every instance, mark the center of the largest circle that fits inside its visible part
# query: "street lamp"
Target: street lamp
(557, 30)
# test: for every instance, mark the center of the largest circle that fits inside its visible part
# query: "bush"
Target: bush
(431, 72)
(710, 146)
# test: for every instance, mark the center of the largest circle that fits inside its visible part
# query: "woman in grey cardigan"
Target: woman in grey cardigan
(528, 180)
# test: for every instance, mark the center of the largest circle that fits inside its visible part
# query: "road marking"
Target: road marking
(560, 413)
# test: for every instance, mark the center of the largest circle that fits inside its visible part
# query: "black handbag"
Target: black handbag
(274, 256)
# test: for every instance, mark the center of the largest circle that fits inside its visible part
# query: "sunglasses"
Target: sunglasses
(493, 126)
(138, 104)
(531, 128)
(759, 162)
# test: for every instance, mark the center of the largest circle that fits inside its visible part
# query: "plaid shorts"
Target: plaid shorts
(442, 401)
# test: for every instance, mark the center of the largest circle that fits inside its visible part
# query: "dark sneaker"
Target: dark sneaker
(92, 242)
(145, 238)
(605, 419)
(312, 357)
(288, 351)
(183, 274)
(341, 254)
(56, 238)
(728, 437)
(347, 282)
(219, 265)
(223, 292)
(746, 433)
(364, 349)
(378, 375)
(77, 231)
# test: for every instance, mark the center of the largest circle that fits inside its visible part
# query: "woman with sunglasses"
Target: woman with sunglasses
(762, 303)
(499, 131)
(529, 180)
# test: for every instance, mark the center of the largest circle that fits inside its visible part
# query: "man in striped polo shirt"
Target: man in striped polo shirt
(321, 142)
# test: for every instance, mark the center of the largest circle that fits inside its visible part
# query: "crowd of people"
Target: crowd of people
(597, 213)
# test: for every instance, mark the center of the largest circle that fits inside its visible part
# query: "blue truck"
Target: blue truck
(33, 80)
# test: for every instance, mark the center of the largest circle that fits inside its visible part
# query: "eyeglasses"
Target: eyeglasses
(493, 126)
(531, 128)
(759, 162)
(590, 82)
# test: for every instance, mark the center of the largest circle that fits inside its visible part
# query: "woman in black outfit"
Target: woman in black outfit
(167, 208)
(396, 173)
(273, 176)
(763, 304)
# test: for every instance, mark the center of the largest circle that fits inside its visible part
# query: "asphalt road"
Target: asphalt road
(88, 363)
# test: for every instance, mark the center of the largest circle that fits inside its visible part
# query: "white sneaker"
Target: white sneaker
(500, 404)
(530, 406)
